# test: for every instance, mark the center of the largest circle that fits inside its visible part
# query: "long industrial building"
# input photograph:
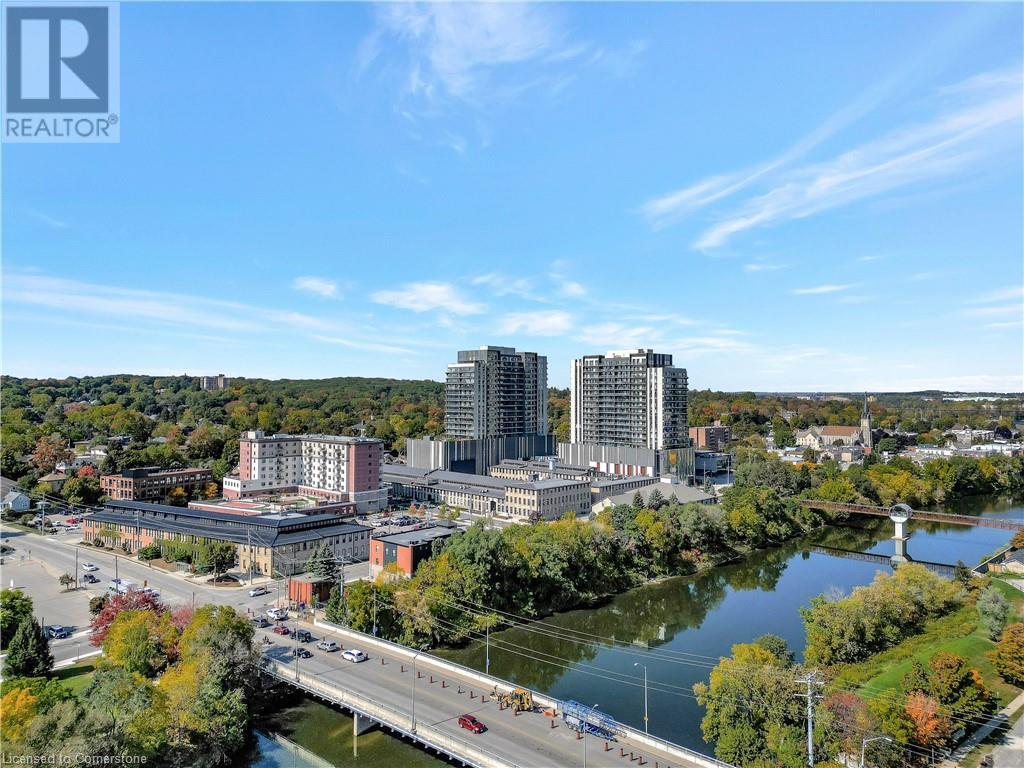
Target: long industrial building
(271, 544)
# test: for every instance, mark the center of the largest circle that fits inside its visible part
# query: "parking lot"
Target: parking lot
(52, 604)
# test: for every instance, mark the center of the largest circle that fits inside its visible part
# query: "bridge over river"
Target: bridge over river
(421, 697)
(907, 512)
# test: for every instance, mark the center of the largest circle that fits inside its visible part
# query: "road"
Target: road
(38, 561)
(526, 740)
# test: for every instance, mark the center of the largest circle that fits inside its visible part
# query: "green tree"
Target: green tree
(140, 641)
(28, 653)
(321, 562)
(15, 607)
(335, 610)
(66, 580)
(992, 610)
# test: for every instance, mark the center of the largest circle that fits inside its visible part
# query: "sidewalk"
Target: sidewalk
(998, 720)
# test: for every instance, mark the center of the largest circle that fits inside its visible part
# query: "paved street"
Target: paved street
(47, 557)
(527, 739)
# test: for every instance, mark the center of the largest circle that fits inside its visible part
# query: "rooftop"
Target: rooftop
(421, 536)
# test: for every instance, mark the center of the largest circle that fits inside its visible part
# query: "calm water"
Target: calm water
(691, 620)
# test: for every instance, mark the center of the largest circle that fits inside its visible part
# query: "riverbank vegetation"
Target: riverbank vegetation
(175, 687)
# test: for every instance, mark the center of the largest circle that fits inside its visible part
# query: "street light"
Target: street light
(585, 740)
(638, 664)
(864, 743)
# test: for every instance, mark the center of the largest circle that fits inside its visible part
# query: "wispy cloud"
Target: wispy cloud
(368, 345)
(321, 286)
(548, 323)
(428, 296)
(870, 257)
(953, 139)
(1001, 294)
(172, 311)
(502, 285)
(572, 289)
(46, 219)
(762, 266)
(815, 290)
(454, 48)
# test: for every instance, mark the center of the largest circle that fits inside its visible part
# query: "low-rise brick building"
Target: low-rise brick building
(153, 483)
(407, 549)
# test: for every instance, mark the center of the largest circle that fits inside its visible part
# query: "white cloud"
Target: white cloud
(871, 257)
(1003, 309)
(428, 296)
(762, 266)
(950, 141)
(572, 289)
(1002, 294)
(820, 289)
(45, 218)
(321, 286)
(503, 285)
(454, 47)
(368, 345)
(549, 323)
(945, 145)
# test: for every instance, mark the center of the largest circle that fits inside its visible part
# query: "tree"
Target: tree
(116, 700)
(96, 604)
(66, 580)
(335, 610)
(141, 642)
(19, 707)
(219, 556)
(931, 726)
(50, 451)
(210, 491)
(1017, 542)
(1008, 657)
(178, 497)
(992, 610)
(28, 653)
(321, 562)
(149, 552)
(133, 600)
(751, 706)
(15, 607)
(655, 500)
(638, 500)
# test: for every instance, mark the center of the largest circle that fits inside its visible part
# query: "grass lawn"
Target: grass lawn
(76, 677)
(958, 632)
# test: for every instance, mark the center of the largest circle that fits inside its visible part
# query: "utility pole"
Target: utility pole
(414, 692)
(138, 534)
(248, 543)
(638, 664)
(812, 681)
(487, 649)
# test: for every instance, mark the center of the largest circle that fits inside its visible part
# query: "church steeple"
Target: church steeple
(865, 426)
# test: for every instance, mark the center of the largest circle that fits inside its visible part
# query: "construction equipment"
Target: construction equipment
(518, 699)
(586, 719)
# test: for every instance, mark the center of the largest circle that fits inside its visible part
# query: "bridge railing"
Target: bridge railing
(635, 736)
(390, 717)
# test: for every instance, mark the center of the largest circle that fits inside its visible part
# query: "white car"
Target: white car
(150, 591)
(354, 655)
(90, 567)
(257, 591)
(328, 645)
(277, 614)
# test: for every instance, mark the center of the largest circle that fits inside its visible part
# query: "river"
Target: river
(691, 620)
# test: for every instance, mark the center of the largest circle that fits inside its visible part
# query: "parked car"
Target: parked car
(58, 631)
(277, 614)
(987, 762)
(260, 621)
(303, 635)
(257, 591)
(150, 591)
(302, 653)
(281, 629)
(90, 579)
(89, 567)
(73, 520)
(354, 655)
(327, 645)
(471, 724)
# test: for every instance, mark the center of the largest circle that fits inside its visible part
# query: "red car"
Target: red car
(73, 520)
(470, 723)
(281, 629)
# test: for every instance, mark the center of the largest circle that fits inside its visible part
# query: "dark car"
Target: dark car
(260, 621)
(470, 723)
(57, 631)
(281, 629)
(90, 579)
(302, 653)
(303, 635)
(987, 762)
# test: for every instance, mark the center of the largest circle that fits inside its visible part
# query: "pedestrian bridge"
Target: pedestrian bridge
(1003, 523)
(420, 697)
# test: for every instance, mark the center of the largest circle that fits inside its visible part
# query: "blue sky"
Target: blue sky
(797, 197)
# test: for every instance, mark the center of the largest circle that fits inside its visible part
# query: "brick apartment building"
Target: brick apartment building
(153, 483)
